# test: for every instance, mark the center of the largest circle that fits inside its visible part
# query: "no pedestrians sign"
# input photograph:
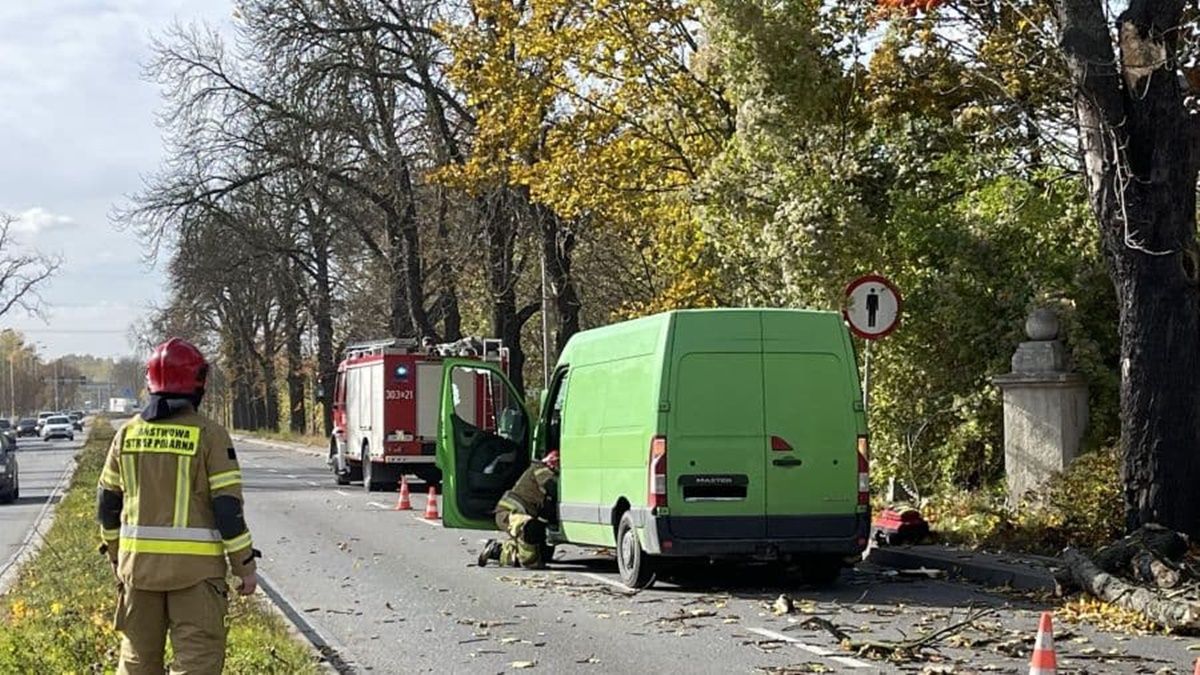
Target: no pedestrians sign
(872, 307)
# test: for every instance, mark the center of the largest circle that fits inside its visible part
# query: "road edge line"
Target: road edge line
(334, 657)
(35, 538)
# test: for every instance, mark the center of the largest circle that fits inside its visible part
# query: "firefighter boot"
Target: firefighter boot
(491, 551)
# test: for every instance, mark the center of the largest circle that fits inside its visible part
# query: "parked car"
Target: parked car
(41, 418)
(76, 421)
(7, 428)
(10, 479)
(27, 426)
(58, 426)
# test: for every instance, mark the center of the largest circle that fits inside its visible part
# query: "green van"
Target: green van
(717, 433)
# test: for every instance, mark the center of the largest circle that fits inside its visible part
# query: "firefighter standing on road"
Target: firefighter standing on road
(519, 514)
(170, 512)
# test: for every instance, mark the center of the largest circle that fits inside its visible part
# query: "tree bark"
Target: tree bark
(558, 244)
(1138, 148)
(295, 378)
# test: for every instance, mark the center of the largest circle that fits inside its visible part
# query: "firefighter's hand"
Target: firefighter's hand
(249, 584)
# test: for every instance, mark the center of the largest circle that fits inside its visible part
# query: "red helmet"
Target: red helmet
(551, 460)
(176, 367)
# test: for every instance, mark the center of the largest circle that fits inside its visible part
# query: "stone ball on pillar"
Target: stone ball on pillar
(1042, 325)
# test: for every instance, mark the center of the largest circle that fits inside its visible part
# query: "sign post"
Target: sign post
(872, 311)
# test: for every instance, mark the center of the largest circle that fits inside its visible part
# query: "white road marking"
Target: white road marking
(812, 649)
(605, 580)
(273, 470)
(431, 523)
(342, 493)
(378, 505)
(312, 483)
(293, 476)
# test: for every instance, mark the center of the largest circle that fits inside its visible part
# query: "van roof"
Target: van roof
(643, 335)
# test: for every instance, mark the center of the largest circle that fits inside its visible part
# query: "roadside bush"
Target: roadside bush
(57, 618)
(1080, 508)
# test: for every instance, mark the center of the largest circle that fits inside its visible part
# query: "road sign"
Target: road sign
(872, 307)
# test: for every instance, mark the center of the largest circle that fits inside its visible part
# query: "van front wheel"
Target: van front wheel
(635, 565)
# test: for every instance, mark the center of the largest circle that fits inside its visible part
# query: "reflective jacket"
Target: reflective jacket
(168, 471)
(531, 490)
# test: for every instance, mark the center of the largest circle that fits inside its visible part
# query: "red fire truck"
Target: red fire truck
(385, 408)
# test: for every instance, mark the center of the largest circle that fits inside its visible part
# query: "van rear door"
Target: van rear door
(811, 425)
(716, 487)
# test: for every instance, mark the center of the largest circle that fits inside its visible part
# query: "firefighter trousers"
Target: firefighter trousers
(195, 619)
(516, 551)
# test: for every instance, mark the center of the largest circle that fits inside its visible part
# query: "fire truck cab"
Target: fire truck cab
(386, 408)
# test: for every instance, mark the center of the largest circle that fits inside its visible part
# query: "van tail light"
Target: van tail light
(656, 494)
(864, 472)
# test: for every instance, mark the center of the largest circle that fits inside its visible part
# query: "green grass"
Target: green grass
(57, 618)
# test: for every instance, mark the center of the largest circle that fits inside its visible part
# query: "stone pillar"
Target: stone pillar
(1045, 408)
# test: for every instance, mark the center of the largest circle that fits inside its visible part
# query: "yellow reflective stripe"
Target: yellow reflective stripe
(238, 543)
(132, 493)
(183, 490)
(174, 439)
(224, 479)
(171, 547)
(110, 479)
(109, 535)
(511, 504)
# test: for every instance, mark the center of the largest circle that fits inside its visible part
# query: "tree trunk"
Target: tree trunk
(558, 243)
(1138, 147)
(1154, 605)
(507, 321)
(295, 378)
(323, 318)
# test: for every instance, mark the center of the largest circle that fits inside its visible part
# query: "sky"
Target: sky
(77, 134)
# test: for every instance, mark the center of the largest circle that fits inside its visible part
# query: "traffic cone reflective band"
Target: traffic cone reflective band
(431, 505)
(1044, 662)
(404, 503)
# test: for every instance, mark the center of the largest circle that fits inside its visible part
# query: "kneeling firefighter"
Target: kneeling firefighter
(522, 514)
(170, 512)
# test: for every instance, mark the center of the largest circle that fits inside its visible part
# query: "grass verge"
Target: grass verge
(287, 436)
(57, 618)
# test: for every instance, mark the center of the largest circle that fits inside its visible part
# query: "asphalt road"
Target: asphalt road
(41, 465)
(396, 594)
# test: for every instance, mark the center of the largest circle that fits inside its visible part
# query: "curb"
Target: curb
(333, 656)
(279, 445)
(32, 543)
(1031, 573)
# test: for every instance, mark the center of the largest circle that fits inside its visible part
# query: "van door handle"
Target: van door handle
(787, 461)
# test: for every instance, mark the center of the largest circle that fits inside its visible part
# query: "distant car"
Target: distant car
(27, 427)
(76, 421)
(10, 479)
(41, 418)
(58, 426)
(7, 428)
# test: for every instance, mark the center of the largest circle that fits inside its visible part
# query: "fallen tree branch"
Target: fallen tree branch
(1169, 613)
(903, 649)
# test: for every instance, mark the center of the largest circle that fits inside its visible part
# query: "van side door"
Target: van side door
(484, 441)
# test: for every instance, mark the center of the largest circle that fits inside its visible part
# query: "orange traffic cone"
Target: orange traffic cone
(431, 505)
(1197, 670)
(404, 503)
(1044, 661)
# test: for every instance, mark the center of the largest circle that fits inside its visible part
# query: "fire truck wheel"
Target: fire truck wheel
(368, 472)
(430, 476)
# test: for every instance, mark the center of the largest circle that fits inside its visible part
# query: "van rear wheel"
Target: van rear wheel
(635, 565)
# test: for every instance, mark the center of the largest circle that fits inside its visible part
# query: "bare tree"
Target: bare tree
(22, 273)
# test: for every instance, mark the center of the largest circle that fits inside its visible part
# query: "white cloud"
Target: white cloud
(39, 221)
